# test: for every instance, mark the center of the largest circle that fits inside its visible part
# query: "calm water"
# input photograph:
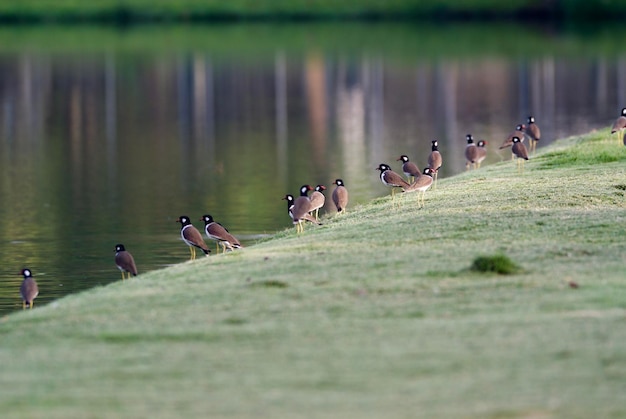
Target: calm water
(104, 147)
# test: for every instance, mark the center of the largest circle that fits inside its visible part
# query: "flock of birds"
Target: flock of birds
(306, 207)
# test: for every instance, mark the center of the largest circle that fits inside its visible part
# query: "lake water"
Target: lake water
(108, 135)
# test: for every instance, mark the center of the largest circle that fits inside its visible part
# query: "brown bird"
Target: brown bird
(420, 185)
(518, 132)
(216, 231)
(340, 196)
(533, 132)
(471, 152)
(481, 152)
(317, 199)
(192, 237)
(298, 211)
(391, 178)
(29, 289)
(302, 203)
(620, 123)
(519, 151)
(124, 261)
(410, 169)
(434, 160)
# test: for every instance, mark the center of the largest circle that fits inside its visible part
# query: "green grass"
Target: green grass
(500, 264)
(398, 41)
(374, 314)
(128, 11)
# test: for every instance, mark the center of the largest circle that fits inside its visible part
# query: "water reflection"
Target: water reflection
(105, 148)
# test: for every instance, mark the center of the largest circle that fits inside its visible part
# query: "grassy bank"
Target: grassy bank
(375, 314)
(392, 40)
(131, 11)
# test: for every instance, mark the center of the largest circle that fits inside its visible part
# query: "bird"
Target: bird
(620, 122)
(391, 178)
(434, 160)
(317, 199)
(301, 207)
(518, 132)
(192, 237)
(29, 289)
(533, 132)
(297, 209)
(519, 151)
(471, 152)
(340, 196)
(410, 169)
(481, 152)
(420, 185)
(219, 233)
(125, 261)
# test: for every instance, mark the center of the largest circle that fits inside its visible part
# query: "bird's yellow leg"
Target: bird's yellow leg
(317, 211)
(32, 304)
(23, 305)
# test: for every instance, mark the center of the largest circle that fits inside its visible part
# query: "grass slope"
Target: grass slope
(375, 314)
